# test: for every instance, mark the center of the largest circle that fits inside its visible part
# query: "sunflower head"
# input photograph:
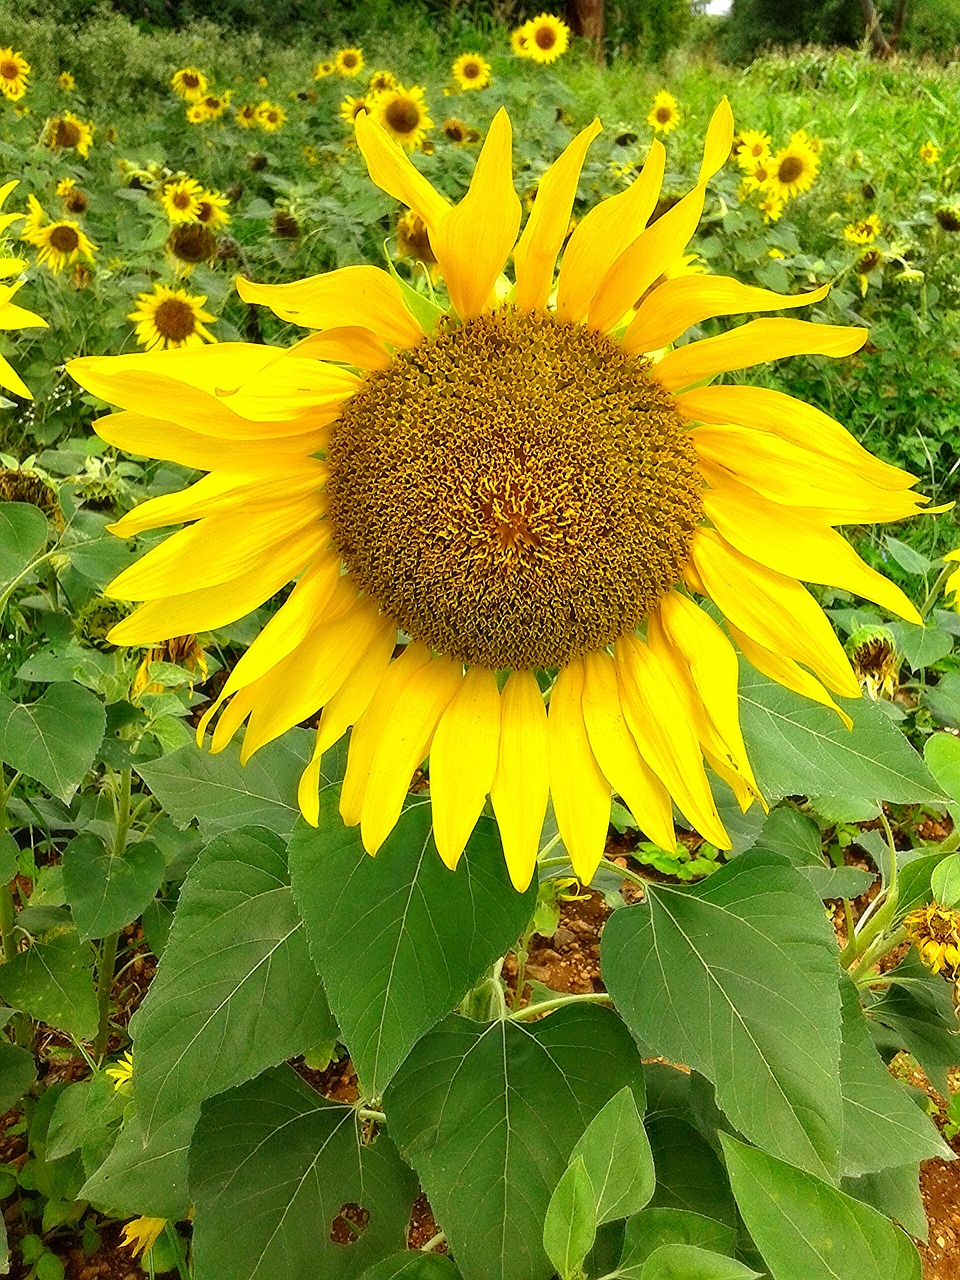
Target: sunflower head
(351, 107)
(929, 152)
(546, 38)
(875, 661)
(348, 62)
(381, 80)
(948, 216)
(191, 242)
(324, 69)
(864, 231)
(246, 116)
(69, 133)
(180, 199)
(471, 71)
(935, 931)
(286, 225)
(212, 209)
(754, 148)
(181, 651)
(14, 73)
(172, 318)
(189, 83)
(271, 116)
(66, 82)
(94, 622)
(60, 243)
(403, 114)
(771, 206)
(19, 485)
(519, 41)
(665, 113)
(140, 1235)
(793, 169)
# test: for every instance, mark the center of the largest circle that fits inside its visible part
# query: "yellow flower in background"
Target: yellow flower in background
(189, 83)
(471, 71)
(935, 931)
(547, 38)
(930, 152)
(121, 1072)
(865, 231)
(403, 114)
(800, 138)
(181, 651)
(59, 243)
(69, 133)
(793, 169)
(180, 199)
(171, 318)
(271, 116)
(413, 242)
(868, 262)
(66, 82)
(755, 147)
(757, 176)
(457, 132)
(212, 209)
(775, 253)
(246, 116)
(350, 108)
(381, 80)
(323, 69)
(952, 585)
(519, 41)
(348, 62)
(12, 316)
(665, 112)
(14, 73)
(196, 113)
(262, 81)
(213, 105)
(74, 199)
(771, 206)
(142, 1234)
(523, 494)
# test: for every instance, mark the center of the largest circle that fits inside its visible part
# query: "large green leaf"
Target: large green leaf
(23, 535)
(796, 836)
(106, 890)
(653, 1228)
(399, 939)
(488, 1116)
(272, 1165)
(688, 1262)
(54, 741)
(143, 1175)
(713, 975)
(799, 747)
(807, 1230)
(18, 1070)
(235, 991)
(690, 1177)
(52, 981)
(617, 1158)
(895, 1193)
(916, 1013)
(882, 1126)
(942, 755)
(222, 794)
(412, 1265)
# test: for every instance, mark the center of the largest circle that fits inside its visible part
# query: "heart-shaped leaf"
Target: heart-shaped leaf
(54, 741)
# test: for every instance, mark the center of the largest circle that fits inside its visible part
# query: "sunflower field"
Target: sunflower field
(479, 667)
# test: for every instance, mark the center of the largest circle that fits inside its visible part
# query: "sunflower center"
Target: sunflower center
(190, 80)
(545, 37)
(664, 114)
(514, 491)
(403, 115)
(64, 239)
(67, 134)
(791, 167)
(349, 60)
(192, 242)
(174, 319)
(470, 70)
(9, 70)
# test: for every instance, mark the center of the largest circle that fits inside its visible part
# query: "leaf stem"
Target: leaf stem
(369, 1113)
(434, 1243)
(558, 1002)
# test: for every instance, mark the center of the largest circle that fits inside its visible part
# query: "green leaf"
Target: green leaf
(396, 937)
(272, 1165)
(913, 884)
(617, 1157)
(711, 975)
(907, 557)
(222, 794)
(688, 1262)
(488, 1116)
(107, 891)
(52, 982)
(806, 1230)
(942, 756)
(945, 882)
(413, 1266)
(570, 1226)
(916, 1013)
(54, 741)
(653, 1228)
(895, 1193)
(796, 836)
(882, 1126)
(86, 1119)
(689, 1175)
(23, 535)
(17, 1073)
(921, 646)
(142, 1175)
(801, 748)
(235, 991)
(943, 699)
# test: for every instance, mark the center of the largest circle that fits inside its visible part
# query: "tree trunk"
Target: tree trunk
(587, 19)
(881, 45)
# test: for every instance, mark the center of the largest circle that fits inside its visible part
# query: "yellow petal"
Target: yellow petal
(756, 342)
(786, 672)
(774, 610)
(791, 420)
(151, 438)
(791, 542)
(667, 740)
(522, 782)
(10, 380)
(473, 241)
(350, 344)
(291, 387)
(677, 304)
(581, 794)
(363, 296)
(536, 254)
(463, 761)
(404, 742)
(718, 142)
(616, 753)
(393, 171)
(604, 233)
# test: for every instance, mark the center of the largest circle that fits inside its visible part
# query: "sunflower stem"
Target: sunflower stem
(558, 1002)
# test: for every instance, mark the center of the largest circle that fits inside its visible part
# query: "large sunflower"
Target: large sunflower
(547, 39)
(69, 133)
(14, 73)
(58, 243)
(12, 316)
(521, 491)
(403, 114)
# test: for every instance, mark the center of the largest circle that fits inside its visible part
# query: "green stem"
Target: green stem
(7, 922)
(369, 1113)
(558, 1002)
(434, 1243)
(170, 1231)
(108, 961)
(934, 592)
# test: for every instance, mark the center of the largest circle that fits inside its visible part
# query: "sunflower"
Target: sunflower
(323, 69)
(754, 148)
(525, 496)
(189, 83)
(457, 132)
(189, 243)
(196, 113)
(171, 318)
(665, 112)
(935, 932)
(271, 117)
(350, 108)
(756, 177)
(59, 243)
(864, 231)
(519, 41)
(180, 198)
(246, 116)
(66, 82)
(771, 206)
(403, 114)
(547, 38)
(213, 105)
(793, 168)
(951, 588)
(413, 242)
(381, 80)
(68, 133)
(12, 316)
(471, 71)
(14, 72)
(930, 152)
(212, 209)
(948, 216)
(348, 62)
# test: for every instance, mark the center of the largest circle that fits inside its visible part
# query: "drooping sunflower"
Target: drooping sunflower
(271, 116)
(14, 73)
(471, 71)
(519, 490)
(66, 82)
(547, 38)
(12, 316)
(754, 148)
(665, 113)
(351, 107)
(323, 69)
(930, 152)
(793, 169)
(863, 231)
(180, 199)
(69, 133)
(189, 84)
(935, 931)
(59, 243)
(171, 318)
(348, 62)
(413, 242)
(189, 243)
(246, 116)
(381, 80)
(403, 114)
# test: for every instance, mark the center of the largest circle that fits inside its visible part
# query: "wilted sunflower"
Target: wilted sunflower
(864, 231)
(517, 488)
(868, 262)
(948, 216)
(66, 82)
(381, 80)
(190, 243)
(665, 112)
(348, 62)
(69, 133)
(14, 73)
(59, 243)
(930, 152)
(935, 931)
(74, 200)
(171, 318)
(547, 38)
(793, 168)
(403, 114)
(180, 199)
(471, 71)
(271, 117)
(12, 316)
(457, 132)
(350, 108)
(413, 242)
(189, 83)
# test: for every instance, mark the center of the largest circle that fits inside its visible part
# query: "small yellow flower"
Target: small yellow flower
(262, 81)
(665, 112)
(142, 1234)
(404, 115)
(246, 116)
(171, 318)
(519, 40)
(775, 253)
(350, 108)
(863, 232)
(930, 152)
(180, 198)
(323, 69)
(14, 72)
(214, 105)
(121, 1072)
(348, 62)
(66, 82)
(547, 38)
(196, 113)
(380, 81)
(935, 931)
(68, 133)
(754, 148)
(271, 116)
(771, 206)
(212, 209)
(756, 177)
(189, 83)
(952, 585)
(471, 71)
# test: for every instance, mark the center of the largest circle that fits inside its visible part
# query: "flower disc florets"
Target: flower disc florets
(515, 491)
